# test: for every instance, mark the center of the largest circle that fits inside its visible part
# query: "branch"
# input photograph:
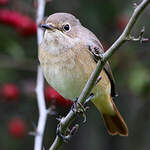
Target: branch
(40, 84)
(65, 122)
(42, 111)
(40, 15)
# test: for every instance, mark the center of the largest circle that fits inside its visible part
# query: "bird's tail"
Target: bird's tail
(114, 122)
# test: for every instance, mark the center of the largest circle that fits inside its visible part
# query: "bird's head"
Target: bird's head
(62, 31)
(62, 24)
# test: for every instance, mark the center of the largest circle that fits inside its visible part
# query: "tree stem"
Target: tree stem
(38, 141)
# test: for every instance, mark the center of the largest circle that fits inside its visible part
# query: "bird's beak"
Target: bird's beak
(48, 26)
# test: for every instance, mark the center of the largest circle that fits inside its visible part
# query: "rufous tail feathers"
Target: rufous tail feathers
(115, 123)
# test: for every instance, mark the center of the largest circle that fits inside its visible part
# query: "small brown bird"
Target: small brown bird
(68, 56)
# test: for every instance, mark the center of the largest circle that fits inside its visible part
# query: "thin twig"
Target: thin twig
(40, 84)
(42, 111)
(40, 15)
(65, 122)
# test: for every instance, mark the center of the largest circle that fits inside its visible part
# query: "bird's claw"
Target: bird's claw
(74, 106)
(81, 108)
(66, 138)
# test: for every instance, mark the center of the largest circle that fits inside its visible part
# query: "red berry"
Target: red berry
(26, 26)
(14, 18)
(121, 22)
(4, 16)
(54, 97)
(3, 2)
(23, 24)
(10, 92)
(17, 128)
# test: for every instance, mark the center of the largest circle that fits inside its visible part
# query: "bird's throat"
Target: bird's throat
(56, 42)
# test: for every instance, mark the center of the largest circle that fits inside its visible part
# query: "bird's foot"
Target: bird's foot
(80, 109)
(74, 106)
(66, 138)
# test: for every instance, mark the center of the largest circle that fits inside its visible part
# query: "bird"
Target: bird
(68, 54)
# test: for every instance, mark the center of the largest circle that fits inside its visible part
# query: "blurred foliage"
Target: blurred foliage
(130, 65)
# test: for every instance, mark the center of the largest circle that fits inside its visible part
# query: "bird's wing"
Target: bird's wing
(111, 78)
(95, 44)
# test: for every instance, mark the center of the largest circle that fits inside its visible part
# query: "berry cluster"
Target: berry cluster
(10, 93)
(24, 25)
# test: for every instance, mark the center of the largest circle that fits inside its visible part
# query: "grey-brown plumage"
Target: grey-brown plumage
(67, 63)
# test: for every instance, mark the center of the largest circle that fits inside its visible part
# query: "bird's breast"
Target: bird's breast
(66, 72)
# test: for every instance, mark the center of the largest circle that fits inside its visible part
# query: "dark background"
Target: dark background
(130, 66)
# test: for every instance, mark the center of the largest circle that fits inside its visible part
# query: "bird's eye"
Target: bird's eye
(66, 27)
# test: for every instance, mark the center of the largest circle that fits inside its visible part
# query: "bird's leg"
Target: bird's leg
(81, 108)
(66, 138)
(75, 109)
(74, 106)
